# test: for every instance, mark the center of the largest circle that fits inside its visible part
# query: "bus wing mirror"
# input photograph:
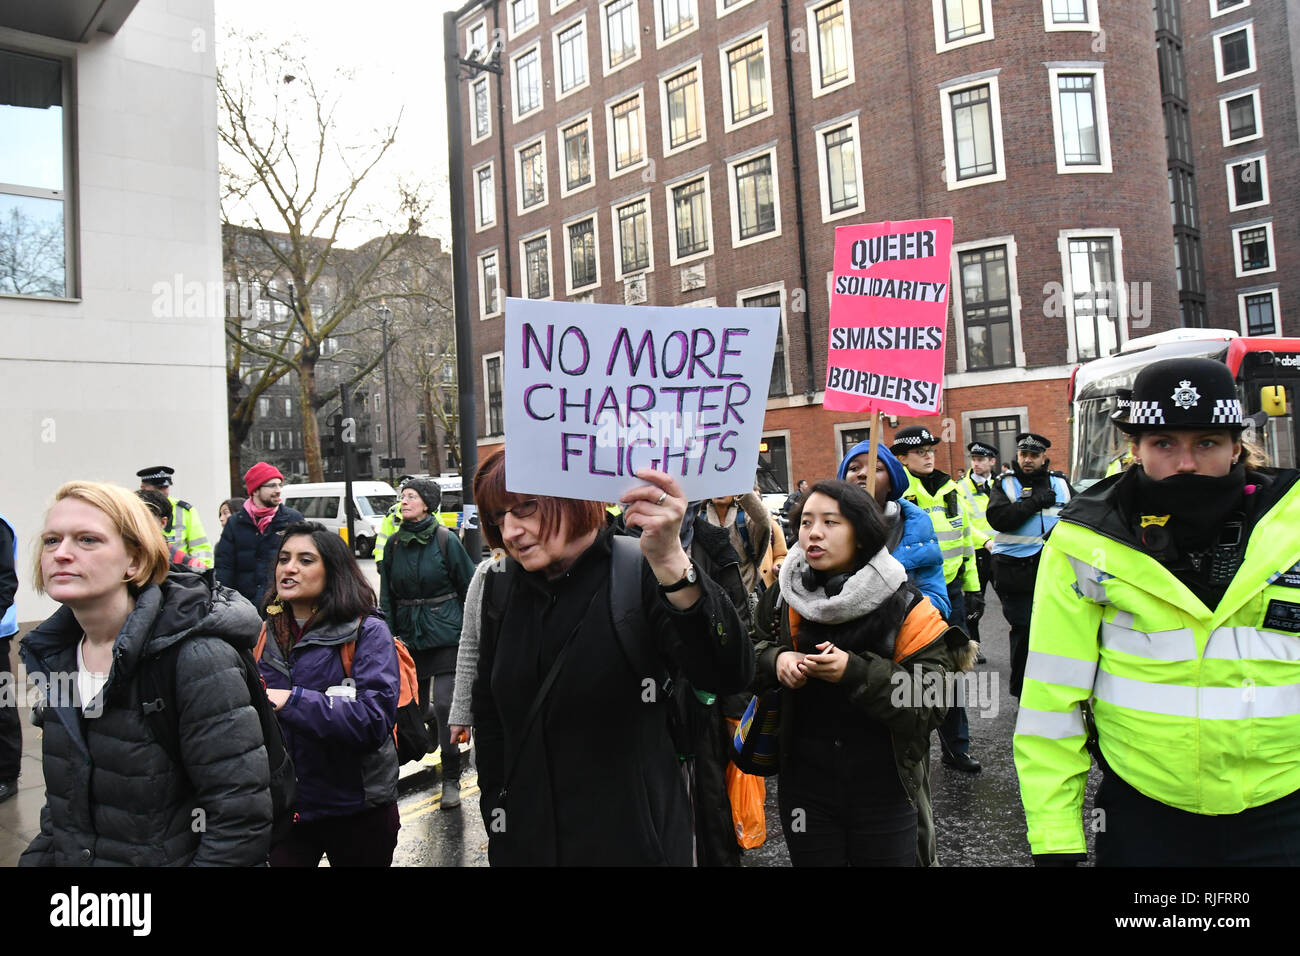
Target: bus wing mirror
(1272, 399)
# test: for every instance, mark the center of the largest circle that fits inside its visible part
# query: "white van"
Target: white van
(322, 502)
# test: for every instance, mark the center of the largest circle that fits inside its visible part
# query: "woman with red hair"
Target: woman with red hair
(577, 764)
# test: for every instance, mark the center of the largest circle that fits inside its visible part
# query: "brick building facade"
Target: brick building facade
(702, 152)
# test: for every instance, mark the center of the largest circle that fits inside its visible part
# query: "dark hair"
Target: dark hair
(580, 517)
(234, 504)
(159, 505)
(859, 509)
(348, 595)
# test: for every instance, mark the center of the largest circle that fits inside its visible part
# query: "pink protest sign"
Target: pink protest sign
(889, 312)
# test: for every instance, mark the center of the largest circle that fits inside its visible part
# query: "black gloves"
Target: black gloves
(974, 606)
(1044, 496)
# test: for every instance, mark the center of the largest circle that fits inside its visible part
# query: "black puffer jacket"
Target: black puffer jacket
(113, 796)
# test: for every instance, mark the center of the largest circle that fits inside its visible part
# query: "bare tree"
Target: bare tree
(293, 184)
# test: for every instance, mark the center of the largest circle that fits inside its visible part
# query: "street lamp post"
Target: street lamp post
(385, 313)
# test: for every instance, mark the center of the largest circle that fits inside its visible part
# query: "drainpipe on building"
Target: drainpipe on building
(811, 390)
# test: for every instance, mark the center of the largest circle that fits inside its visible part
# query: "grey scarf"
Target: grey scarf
(866, 590)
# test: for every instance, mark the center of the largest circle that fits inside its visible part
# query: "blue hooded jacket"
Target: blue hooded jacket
(918, 551)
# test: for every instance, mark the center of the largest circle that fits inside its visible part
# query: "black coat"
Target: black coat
(244, 557)
(113, 797)
(597, 780)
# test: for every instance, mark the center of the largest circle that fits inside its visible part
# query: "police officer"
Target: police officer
(935, 493)
(975, 487)
(388, 527)
(1023, 507)
(1169, 597)
(185, 530)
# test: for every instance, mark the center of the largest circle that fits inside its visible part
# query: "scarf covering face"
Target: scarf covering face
(261, 516)
(868, 588)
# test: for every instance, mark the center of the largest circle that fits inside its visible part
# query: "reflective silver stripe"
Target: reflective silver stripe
(1123, 619)
(1018, 538)
(198, 542)
(1207, 703)
(1051, 724)
(1179, 645)
(949, 535)
(1087, 580)
(1054, 669)
(1247, 643)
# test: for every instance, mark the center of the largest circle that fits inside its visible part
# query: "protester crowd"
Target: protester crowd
(629, 676)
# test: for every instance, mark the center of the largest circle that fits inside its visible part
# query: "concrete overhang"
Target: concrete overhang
(74, 20)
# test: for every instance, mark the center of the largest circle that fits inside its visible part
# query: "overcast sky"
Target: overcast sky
(394, 47)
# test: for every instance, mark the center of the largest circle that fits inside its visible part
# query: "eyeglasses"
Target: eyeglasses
(411, 496)
(524, 509)
(273, 485)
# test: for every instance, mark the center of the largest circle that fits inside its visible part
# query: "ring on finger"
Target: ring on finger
(662, 496)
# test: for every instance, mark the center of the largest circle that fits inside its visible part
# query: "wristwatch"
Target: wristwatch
(687, 579)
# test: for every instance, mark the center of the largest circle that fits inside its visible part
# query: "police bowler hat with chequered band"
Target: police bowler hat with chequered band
(980, 450)
(912, 438)
(1181, 393)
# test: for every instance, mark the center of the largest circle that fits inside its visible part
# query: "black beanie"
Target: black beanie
(428, 491)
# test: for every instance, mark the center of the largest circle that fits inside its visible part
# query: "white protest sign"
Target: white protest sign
(594, 393)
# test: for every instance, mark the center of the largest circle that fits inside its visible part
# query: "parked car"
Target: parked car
(323, 501)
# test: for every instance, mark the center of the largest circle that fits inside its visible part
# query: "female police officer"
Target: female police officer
(1167, 608)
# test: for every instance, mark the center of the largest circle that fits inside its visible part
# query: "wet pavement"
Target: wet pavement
(978, 817)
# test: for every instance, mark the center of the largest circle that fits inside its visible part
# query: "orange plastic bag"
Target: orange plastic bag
(748, 794)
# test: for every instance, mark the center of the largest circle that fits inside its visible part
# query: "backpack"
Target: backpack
(156, 684)
(409, 733)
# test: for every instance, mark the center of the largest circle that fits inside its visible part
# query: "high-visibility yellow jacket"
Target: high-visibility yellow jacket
(952, 526)
(387, 528)
(187, 533)
(976, 496)
(1196, 708)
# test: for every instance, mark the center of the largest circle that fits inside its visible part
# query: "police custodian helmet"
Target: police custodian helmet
(1181, 393)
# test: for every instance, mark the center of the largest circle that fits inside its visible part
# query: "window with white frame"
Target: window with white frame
(619, 34)
(1080, 121)
(1234, 52)
(523, 14)
(831, 47)
(583, 264)
(1247, 183)
(1219, 7)
(1254, 249)
(972, 134)
(1094, 295)
(527, 82)
(840, 168)
(683, 110)
(726, 6)
(489, 293)
(575, 147)
(485, 197)
(532, 174)
(1070, 15)
(960, 22)
(1259, 312)
(632, 222)
(747, 96)
(755, 214)
(688, 205)
(986, 307)
(674, 19)
(1240, 117)
(571, 56)
(476, 39)
(770, 298)
(480, 109)
(494, 417)
(537, 265)
(37, 241)
(626, 142)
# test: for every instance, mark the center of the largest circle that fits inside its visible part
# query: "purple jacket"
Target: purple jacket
(342, 747)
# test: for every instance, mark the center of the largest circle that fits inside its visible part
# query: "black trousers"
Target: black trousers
(1016, 608)
(832, 819)
(984, 565)
(1134, 830)
(954, 732)
(435, 669)
(11, 727)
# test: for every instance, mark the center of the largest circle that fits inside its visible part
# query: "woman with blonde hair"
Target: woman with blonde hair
(114, 797)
